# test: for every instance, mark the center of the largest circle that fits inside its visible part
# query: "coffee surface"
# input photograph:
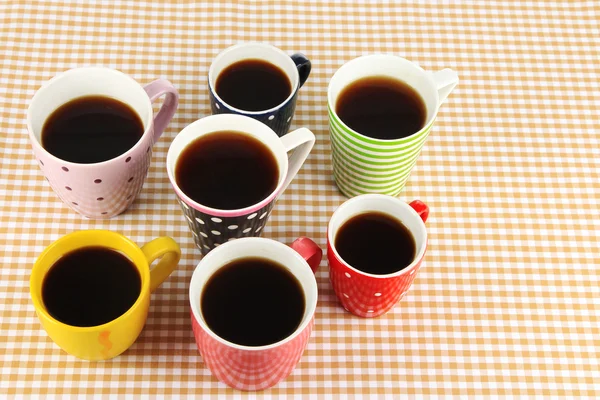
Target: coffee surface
(253, 302)
(91, 129)
(227, 170)
(375, 243)
(253, 85)
(90, 286)
(381, 108)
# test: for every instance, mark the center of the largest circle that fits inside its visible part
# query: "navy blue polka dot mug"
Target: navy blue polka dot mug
(294, 70)
(212, 227)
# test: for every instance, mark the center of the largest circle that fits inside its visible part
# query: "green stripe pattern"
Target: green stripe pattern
(366, 165)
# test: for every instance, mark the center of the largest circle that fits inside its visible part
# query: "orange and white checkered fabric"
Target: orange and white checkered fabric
(507, 300)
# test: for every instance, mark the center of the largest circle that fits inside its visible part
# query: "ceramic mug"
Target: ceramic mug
(371, 295)
(297, 68)
(256, 367)
(362, 164)
(108, 340)
(212, 227)
(103, 189)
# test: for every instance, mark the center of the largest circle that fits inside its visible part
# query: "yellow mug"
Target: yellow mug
(112, 338)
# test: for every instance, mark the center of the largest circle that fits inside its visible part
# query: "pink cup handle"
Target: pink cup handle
(309, 250)
(155, 90)
(421, 208)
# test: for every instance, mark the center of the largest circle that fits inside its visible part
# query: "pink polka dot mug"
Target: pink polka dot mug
(255, 367)
(103, 189)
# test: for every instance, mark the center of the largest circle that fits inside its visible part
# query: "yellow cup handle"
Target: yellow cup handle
(170, 252)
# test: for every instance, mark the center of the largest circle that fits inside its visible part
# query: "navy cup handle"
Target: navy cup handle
(304, 66)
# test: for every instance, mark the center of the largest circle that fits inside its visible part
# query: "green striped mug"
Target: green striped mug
(362, 164)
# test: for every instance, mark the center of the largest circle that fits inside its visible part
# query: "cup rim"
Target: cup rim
(63, 75)
(348, 64)
(217, 212)
(197, 314)
(270, 47)
(38, 302)
(418, 257)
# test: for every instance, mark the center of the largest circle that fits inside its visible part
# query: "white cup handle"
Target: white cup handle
(301, 141)
(445, 80)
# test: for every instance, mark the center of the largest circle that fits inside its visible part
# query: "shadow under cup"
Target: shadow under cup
(212, 227)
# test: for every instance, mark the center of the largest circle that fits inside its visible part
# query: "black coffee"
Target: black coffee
(375, 243)
(253, 85)
(90, 286)
(91, 129)
(381, 108)
(227, 170)
(253, 302)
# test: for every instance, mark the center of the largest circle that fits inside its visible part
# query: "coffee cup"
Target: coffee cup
(107, 188)
(368, 294)
(266, 92)
(213, 225)
(254, 367)
(52, 285)
(364, 164)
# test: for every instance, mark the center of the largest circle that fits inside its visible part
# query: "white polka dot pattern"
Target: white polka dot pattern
(210, 231)
(367, 296)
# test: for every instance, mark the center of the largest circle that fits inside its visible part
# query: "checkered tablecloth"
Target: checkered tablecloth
(507, 302)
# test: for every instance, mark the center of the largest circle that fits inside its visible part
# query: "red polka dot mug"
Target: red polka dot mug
(101, 189)
(365, 294)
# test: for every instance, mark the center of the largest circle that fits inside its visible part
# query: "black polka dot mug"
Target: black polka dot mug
(102, 189)
(212, 227)
(296, 67)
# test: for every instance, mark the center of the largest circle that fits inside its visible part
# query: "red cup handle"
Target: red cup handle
(421, 208)
(309, 250)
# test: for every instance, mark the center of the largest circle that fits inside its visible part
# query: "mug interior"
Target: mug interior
(389, 66)
(78, 240)
(227, 122)
(248, 51)
(95, 81)
(254, 247)
(391, 206)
